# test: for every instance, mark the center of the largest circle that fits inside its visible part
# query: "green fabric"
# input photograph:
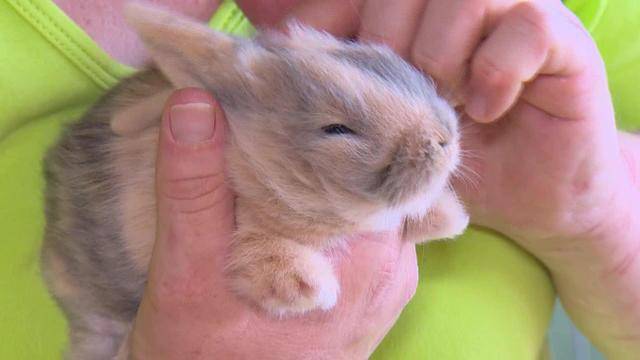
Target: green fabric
(48, 74)
(480, 297)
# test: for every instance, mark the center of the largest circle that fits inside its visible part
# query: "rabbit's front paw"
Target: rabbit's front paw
(284, 277)
(445, 220)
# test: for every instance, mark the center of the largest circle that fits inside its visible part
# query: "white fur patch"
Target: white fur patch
(383, 220)
(391, 218)
(327, 295)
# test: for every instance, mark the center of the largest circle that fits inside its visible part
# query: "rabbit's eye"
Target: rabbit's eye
(337, 129)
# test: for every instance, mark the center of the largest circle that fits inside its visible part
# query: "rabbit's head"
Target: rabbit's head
(327, 125)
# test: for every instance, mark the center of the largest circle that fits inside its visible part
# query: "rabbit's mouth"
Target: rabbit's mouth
(405, 183)
(391, 214)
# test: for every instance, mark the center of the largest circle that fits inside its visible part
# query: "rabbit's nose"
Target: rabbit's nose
(434, 146)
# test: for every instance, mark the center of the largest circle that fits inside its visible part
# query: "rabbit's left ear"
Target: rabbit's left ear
(185, 51)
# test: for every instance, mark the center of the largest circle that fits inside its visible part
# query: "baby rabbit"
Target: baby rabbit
(327, 139)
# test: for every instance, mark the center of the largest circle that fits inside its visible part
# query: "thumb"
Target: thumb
(195, 207)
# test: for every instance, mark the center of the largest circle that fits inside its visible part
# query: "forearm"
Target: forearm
(598, 277)
(603, 295)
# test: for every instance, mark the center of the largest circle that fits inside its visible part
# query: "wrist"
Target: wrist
(613, 227)
(607, 246)
(597, 279)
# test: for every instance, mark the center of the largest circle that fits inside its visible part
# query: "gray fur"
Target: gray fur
(82, 231)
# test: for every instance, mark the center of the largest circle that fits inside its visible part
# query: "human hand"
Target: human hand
(545, 163)
(532, 71)
(187, 310)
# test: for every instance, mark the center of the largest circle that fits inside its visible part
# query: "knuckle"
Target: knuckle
(176, 296)
(192, 187)
(490, 73)
(583, 92)
(429, 63)
(475, 7)
(532, 19)
(190, 195)
(393, 43)
(582, 87)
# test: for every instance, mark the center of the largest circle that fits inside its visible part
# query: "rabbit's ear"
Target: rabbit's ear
(184, 50)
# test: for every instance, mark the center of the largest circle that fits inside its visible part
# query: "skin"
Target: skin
(548, 167)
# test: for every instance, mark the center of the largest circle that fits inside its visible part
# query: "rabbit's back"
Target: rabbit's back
(99, 188)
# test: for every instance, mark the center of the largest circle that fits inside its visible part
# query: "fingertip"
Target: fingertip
(476, 104)
(486, 104)
(192, 116)
(189, 95)
(192, 136)
(476, 108)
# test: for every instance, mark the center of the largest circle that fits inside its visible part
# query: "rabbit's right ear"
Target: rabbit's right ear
(185, 51)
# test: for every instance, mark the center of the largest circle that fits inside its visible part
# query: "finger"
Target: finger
(266, 13)
(571, 97)
(564, 88)
(195, 207)
(393, 23)
(446, 36)
(449, 32)
(185, 289)
(406, 284)
(393, 280)
(338, 17)
(512, 55)
(378, 272)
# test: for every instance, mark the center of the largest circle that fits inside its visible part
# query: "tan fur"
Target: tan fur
(138, 117)
(301, 39)
(59, 278)
(301, 186)
(137, 204)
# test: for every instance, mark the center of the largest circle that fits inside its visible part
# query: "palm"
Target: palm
(541, 174)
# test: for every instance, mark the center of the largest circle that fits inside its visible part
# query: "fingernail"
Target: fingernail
(192, 123)
(477, 107)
